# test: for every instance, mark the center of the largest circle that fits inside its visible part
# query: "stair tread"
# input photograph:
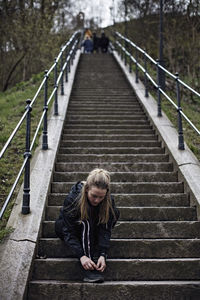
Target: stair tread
(66, 259)
(140, 240)
(131, 282)
(107, 127)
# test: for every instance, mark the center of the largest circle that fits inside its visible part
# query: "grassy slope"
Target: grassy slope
(190, 104)
(12, 104)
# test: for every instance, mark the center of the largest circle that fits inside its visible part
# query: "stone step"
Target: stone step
(111, 144)
(89, 83)
(102, 92)
(158, 213)
(84, 103)
(96, 82)
(93, 116)
(107, 127)
(143, 230)
(108, 122)
(120, 176)
(106, 131)
(122, 150)
(100, 85)
(99, 98)
(112, 157)
(129, 248)
(112, 114)
(141, 213)
(128, 187)
(115, 167)
(95, 76)
(135, 200)
(107, 91)
(115, 290)
(120, 269)
(116, 99)
(108, 108)
(105, 137)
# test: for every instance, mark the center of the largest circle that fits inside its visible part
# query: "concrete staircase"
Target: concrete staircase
(155, 248)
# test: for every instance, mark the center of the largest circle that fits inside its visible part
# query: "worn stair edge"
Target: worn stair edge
(121, 269)
(114, 166)
(129, 187)
(129, 248)
(135, 199)
(131, 150)
(118, 290)
(120, 176)
(143, 229)
(142, 213)
(112, 158)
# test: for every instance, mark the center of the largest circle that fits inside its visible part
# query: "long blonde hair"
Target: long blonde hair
(99, 178)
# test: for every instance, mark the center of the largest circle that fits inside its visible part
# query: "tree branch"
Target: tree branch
(12, 71)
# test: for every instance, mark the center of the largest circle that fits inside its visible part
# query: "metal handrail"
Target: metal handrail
(156, 63)
(156, 84)
(70, 46)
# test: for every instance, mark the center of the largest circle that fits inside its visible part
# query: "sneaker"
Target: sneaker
(93, 276)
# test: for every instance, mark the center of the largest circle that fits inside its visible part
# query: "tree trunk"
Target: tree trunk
(11, 72)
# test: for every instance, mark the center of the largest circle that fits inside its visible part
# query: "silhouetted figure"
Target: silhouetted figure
(88, 45)
(104, 43)
(87, 33)
(96, 42)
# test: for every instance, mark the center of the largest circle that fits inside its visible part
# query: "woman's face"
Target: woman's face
(96, 195)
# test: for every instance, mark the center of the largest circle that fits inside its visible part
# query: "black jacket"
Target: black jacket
(72, 228)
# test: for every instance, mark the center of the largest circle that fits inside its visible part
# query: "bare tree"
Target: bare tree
(27, 37)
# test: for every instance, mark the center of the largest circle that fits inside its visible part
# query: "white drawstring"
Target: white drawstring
(83, 237)
(88, 239)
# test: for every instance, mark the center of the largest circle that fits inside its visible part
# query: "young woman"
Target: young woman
(86, 221)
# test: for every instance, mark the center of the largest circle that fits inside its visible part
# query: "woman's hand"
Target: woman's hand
(87, 263)
(101, 264)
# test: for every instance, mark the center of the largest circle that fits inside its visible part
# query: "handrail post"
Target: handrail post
(146, 79)
(72, 57)
(158, 91)
(27, 154)
(62, 79)
(73, 54)
(115, 39)
(180, 126)
(45, 108)
(130, 62)
(122, 55)
(69, 64)
(125, 56)
(66, 73)
(136, 66)
(56, 91)
(66, 69)
(117, 46)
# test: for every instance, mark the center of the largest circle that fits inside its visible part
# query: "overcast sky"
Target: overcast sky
(99, 9)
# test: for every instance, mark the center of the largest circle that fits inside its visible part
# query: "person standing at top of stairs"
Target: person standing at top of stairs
(86, 221)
